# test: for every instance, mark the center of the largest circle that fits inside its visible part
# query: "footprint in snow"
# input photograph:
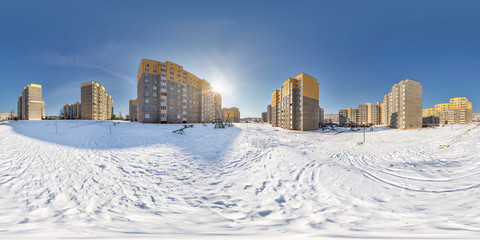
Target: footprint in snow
(265, 213)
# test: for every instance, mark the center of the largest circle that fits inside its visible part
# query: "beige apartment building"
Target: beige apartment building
(368, 114)
(321, 116)
(233, 113)
(295, 105)
(269, 114)
(460, 111)
(30, 105)
(72, 111)
(403, 105)
(167, 93)
(96, 103)
(457, 111)
(132, 110)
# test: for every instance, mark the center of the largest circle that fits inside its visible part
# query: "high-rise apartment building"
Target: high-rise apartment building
(295, 105)
(403, 105)
(264, 116)
(321, 119)
(166, 93)
(368, 114)
(269, 114)
(233, 113)
(460, 111)
(72, 111)
(132, 110)
(275, 108)
(96, 104)
(457, 111)
(30, 105)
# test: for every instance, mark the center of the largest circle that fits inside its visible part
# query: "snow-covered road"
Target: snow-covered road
(94, 178)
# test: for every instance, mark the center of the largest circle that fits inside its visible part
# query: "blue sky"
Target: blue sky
(356, 49)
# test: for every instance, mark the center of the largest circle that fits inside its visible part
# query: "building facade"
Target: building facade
(460, 111)
(476, 117)
(403, 105)
(96, 103)
(264, 116)
(30, 105)
(321, 117)
(72, 111)
(295, 105)
(331, 118)
(166, 93)
(269, 114)
(233, 113)
(457, 111)
(132, 110)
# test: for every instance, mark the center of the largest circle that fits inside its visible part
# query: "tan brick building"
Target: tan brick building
(96, 104)
(167, 93)
(403, 105)
(295, 105)
(30, 105)
(72, 111)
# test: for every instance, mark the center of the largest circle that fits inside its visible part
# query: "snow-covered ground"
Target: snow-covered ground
(81, 179)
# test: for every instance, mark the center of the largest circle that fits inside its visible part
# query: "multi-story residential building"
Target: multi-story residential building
(233, 113)
(269, 114)
(72, 111)
(132, 110)
(368, 114)
(166, 93)
(343, 117)
(275, 117)
(457, 111)
(30, 104)
(331, 118)
(476, 117)
(264, 116)
(295, 105)
(96, 104)
(380, 112)
(362, 117)
(460, 111)
(321, 119)
(403, 105)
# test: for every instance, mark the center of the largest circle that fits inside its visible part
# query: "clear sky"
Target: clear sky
(356, 49)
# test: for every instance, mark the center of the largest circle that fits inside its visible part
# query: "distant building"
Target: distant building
(7, 116)
(30, 105)
(403, 105)
(233, 113)
(295, 105)
(331, 118)
(72, 111)
(476, 117)
(457, 111)
(269, 114)
(321, 114)
(132, 110)
(264, 116)
(96, 104)
(460, 111)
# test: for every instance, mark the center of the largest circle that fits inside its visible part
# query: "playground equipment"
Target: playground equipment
(219, 122)
(181, 130)
(228, 121)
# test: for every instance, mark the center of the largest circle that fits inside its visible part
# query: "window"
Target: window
(171, 73)
(147, 116)
(146, 86)
(146, 94)
(163, 70)
(147, 65)
(146, 108)
(154, 88)
(171, 68)
(154, 66)
(146, 69)
(179, 116)
(178, 70)
(164, 65)
(146, 80)
(147, 100)
(154, 71)
(178, 75)
(154, 94)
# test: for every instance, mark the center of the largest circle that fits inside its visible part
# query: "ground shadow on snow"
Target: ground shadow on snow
(103, 135)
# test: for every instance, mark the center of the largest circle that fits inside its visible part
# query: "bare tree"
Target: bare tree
(120, 115)
(12, 114)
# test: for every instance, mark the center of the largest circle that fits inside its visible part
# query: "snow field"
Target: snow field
(76, 178)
